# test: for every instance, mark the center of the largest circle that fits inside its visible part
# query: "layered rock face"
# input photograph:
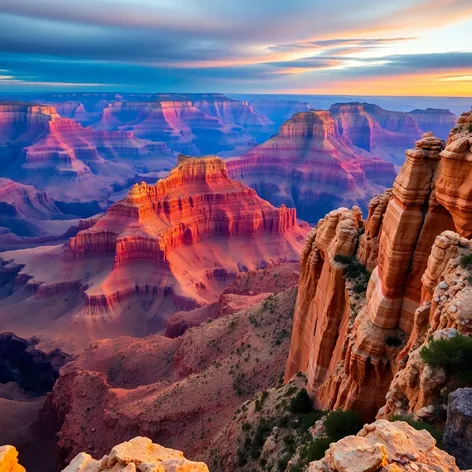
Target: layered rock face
(352, 345)
(389, 133)
(167, 247)
(189, 123)
(311, 166)
(385, 446)
(73, 163)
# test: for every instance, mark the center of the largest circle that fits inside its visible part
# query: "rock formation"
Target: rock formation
(386, 446)
(190, 123)
(28, 215)
(458, 432)
(167, 247)
(179, 392)
(9, 460)
(137, 454)
(352, 345)
(73, 163)
(311, 166)
(388, 133)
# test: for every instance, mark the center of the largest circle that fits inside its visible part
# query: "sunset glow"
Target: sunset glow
(406, 47)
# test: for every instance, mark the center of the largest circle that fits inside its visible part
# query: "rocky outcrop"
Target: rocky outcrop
(311, 166)
(9, 460)
(388, 133)
(385, 446)
(33, 370)
(169, 247)
(195, 202)
(137, 454)
(458, 432)
(413, 240)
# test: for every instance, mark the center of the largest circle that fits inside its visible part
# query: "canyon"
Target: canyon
(85, 150)
(166, 247)
(184, 313)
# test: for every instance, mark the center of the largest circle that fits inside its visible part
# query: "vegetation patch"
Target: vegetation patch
(466, 263)
(454, 355)
(339, 424)
(355, 272)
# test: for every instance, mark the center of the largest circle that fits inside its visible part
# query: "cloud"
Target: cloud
(204, 45)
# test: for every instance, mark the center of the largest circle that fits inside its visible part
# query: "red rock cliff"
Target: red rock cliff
(348, 343)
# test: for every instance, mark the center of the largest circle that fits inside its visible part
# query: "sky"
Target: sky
(363, 47)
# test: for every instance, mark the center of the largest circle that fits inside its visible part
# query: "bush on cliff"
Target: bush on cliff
(339, 424)
(301, 402)
(454, 355)
(466, 263)
(355, 272)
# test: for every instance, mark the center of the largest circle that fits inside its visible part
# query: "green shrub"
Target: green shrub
(282, 464)
(339, 424)
(343, 259)
(466, 261)
(454, 355)
(315, 450)
(469, 128)
(301, 402)
(309, 419)
(419, 425)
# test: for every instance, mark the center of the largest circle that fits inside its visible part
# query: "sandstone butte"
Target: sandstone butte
(361, 351)
(381, 446)
(167, 247)
(310, 165)
(74, 164)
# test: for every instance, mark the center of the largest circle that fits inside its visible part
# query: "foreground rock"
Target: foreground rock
(137, 454)
(9, 460)
(458, 432)
(386, 446)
